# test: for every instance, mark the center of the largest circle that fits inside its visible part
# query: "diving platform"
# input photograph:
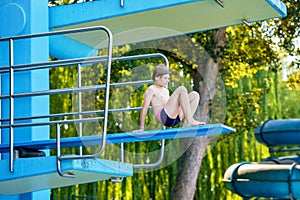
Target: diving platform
(40, 173)
(140, 21)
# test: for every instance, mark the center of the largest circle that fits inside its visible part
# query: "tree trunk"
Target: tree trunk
(190, 163)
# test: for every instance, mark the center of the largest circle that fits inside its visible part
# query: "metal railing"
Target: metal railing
(15, 122)
(11, 69)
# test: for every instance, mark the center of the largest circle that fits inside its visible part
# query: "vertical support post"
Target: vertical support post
(79, 105)
(11, 105)
(58, 155)
(122, 156)
(122, 159)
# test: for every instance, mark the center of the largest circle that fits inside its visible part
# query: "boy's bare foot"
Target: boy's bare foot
(193, 123)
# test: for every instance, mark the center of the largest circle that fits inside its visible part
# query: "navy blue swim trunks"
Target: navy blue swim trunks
(166, 120)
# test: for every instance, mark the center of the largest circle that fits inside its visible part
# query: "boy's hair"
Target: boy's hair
(159, 71)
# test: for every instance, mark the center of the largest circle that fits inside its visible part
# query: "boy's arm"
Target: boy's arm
(147, 100)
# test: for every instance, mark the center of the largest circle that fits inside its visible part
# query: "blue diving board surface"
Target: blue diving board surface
(172, 133)
(40, 173)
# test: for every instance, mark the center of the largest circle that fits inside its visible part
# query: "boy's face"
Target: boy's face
(163, 80)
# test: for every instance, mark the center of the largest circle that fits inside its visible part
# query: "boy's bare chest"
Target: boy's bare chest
(161, 96)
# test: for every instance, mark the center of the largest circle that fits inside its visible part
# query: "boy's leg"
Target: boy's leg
(194, 102)
(172, 107)
(178, 101)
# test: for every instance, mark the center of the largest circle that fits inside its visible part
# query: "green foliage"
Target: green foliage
(246, 54)
(289, 98)
(294, 79)
(285, 30)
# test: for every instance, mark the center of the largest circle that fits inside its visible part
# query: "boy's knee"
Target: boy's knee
(182, 89)
(195, 95)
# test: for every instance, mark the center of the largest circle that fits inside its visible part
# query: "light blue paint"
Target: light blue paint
(18, 17)
(13, 26)
(63, 47)
(61, 16)
(38, 167)
(39, 177)
(279, 6)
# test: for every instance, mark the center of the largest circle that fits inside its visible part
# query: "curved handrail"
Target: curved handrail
(106, 101)
(11, 70)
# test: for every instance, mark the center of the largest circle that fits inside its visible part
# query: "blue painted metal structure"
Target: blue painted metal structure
(17, 18)
(145, 20)
(273, 177)
(278, 181)
(25, 83)
(279, 132)
(40, 173)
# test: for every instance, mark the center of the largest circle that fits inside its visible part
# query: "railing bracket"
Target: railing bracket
(220, 2)
(245, 21)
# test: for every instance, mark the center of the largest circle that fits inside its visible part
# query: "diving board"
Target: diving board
(40, 173)
(172, 133)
